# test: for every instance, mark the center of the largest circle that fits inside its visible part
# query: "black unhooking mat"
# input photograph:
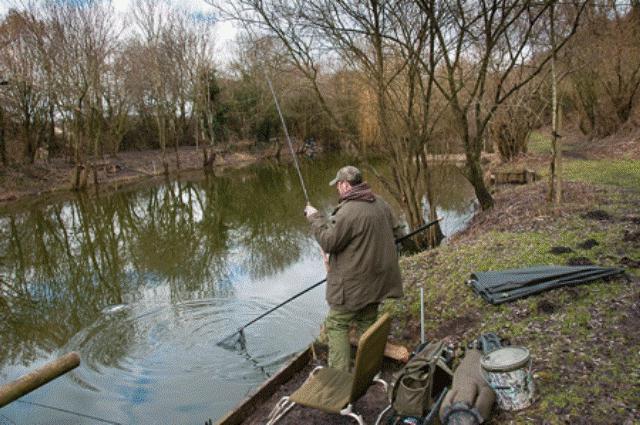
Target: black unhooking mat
(498, 287)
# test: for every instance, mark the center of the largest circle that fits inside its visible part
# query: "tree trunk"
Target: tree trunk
(165, 163)
(79, 177)
(278, 152)
(177, 133)
(31, 149)
(3, 154)
(476, 178)
(209, 158)
(555, 180)
(555, 183)
(52, 126)
(95, 176)
(435, 232)
(162, 136)
(177, 154)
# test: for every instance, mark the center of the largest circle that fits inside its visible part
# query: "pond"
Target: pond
(144, 281)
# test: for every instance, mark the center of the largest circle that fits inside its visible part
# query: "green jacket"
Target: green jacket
(363, 262)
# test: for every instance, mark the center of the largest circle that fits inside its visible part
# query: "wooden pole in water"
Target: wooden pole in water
(32, 380)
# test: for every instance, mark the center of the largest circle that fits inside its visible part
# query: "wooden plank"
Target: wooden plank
(515, 177)
(391, 351)
(40, 376)
(247, 406)
(396, 352)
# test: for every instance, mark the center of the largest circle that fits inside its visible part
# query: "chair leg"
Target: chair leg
(315, 370)
(281, 408)
(379, 380)
(381, 415)
(348, 411)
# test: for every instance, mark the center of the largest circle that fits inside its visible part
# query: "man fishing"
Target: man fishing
(362, 264)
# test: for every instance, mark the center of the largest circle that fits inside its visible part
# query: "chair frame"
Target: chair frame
(284, 405)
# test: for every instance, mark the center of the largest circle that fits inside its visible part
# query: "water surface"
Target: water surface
(144, 281)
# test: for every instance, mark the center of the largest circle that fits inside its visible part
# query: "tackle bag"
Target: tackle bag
(419, 383)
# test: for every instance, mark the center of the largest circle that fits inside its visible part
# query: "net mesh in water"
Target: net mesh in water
(236, 341)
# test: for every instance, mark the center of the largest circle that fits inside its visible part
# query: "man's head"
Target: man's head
(346, 178)
(349, 174)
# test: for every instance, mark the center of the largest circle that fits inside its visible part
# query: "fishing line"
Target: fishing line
(71, 412)
(286, 132)
(7, 419)
(284, 124)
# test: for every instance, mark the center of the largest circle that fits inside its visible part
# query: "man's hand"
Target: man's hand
(309, 210)
(325, 259)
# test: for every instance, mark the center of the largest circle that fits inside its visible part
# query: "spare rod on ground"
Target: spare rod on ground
(40, 376)
(421, 315)
(240, 330)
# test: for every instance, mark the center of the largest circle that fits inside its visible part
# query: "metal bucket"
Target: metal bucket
(508, 371)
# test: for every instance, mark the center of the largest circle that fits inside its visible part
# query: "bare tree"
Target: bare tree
(515, 119)
(117, 98)
(483, 42)
(604, 65)
(151, 17)
(74, 43)
(383, 42)
(187, 43)
(23, 96)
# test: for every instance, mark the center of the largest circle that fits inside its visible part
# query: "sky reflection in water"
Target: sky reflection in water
(144, 281)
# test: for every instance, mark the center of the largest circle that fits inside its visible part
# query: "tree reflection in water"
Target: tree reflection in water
(133, 278)
(63, 263)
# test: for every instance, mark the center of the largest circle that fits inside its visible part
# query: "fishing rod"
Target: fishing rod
(71, 412)
(241, 329)
(284, 124)
(286, 133)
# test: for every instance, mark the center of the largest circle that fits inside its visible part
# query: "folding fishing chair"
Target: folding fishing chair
(335, 391)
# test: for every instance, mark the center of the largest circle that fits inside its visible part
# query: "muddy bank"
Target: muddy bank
(56, 175)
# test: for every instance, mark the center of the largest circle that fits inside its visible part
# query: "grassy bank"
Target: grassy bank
(584, 340)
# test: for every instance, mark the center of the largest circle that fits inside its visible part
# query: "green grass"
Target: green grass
(612, 172)
(539, 143)
(584, 348)
(621, 173)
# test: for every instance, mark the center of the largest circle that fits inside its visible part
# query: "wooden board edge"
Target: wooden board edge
(395, 352)
(243, 409)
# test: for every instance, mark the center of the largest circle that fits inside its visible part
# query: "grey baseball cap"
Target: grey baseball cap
(349, 174)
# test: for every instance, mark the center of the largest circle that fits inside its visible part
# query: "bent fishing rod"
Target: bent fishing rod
(286, 133)
(284, 125)
(241, 329)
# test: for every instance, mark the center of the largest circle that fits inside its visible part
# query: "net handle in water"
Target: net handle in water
(240, 331)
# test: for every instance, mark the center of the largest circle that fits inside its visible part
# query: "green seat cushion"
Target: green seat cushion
(328, 390)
